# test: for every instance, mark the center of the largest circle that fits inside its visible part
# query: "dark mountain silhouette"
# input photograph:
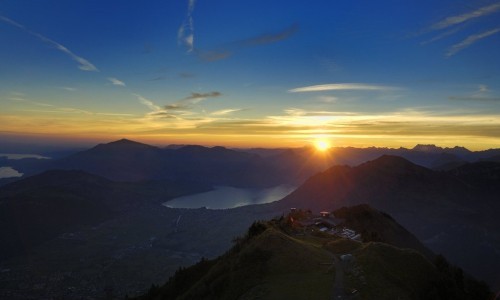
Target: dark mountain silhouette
(122, 160)
(453, 212)
(273, 261)
(483, 176)
(492, 158)
(125, 160)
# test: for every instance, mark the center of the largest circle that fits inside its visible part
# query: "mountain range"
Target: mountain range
(453, 212)
(102, 207)
(126, 160)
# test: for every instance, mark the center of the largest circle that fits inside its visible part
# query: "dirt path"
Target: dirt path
(338, 284)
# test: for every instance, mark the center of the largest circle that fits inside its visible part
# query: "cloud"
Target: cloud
(116, 81)
(197, 97)
(67, 88)
(115, 114)
(342, 86)
(162, 114)
(56, 109)
(223, 112)
(75, 110)
(298, 112)
(270, 37)
(474, 98)
(158, 78)
(483, 88)
(186, 75)
(483, 93)
(227, 50)
(454, 20)
(20, 99)
(469, 41)
(83, 64)
(442, 35)
(148, 103)
(328, 99)
(210, 56)
(188, 102)
(185, 34)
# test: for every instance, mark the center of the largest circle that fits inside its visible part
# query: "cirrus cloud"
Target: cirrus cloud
(342, 86)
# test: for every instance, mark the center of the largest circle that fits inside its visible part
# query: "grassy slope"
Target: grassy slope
(394, 273)
(265, 267)
(269, 263)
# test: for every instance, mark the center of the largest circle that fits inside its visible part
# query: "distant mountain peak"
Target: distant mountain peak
(124, 142)
(393, 164)
(427, 148)
(393, 160)
(430, 148)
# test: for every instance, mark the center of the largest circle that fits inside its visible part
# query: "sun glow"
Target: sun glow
(321, 145)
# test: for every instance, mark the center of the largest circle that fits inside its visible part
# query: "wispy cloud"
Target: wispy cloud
(474, 98)
(454, 20)
(210, 56)
(75, 110)
(269, 38)
(55, 109)
(116, 81)
(227, 50)
(442, 35)
(83, 64)
(298, 112)
(158, 78)
(189, 101)
(483, 94)
(67, 88)
(328, 99)
(148, 103)
(197, 97)
(186, 75)
(115, 114)
(342, 86)
(185, 34)
(469, 41)
(20, 99)
(223, 112)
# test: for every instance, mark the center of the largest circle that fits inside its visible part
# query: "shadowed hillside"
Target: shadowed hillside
(38, 208)
(453, 212)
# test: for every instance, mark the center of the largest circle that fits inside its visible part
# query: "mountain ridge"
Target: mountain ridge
(275, 260)
(440, 207)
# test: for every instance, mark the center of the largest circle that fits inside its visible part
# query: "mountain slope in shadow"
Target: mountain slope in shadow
(278, 260)
(454, 212)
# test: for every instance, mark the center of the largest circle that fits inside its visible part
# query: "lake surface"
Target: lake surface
(230, 197)
(22, 156)
(7, 172)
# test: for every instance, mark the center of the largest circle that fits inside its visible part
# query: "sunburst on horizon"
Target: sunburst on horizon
(322, 145)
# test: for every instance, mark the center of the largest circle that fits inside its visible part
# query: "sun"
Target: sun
(321, 145)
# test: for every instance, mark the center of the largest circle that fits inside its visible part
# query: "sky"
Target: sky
(260, 73)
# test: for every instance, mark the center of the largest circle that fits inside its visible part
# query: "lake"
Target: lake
(22, 156)
(7, 172)
(230, 197)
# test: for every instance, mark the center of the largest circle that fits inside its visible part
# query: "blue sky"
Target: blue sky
(250, 73)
